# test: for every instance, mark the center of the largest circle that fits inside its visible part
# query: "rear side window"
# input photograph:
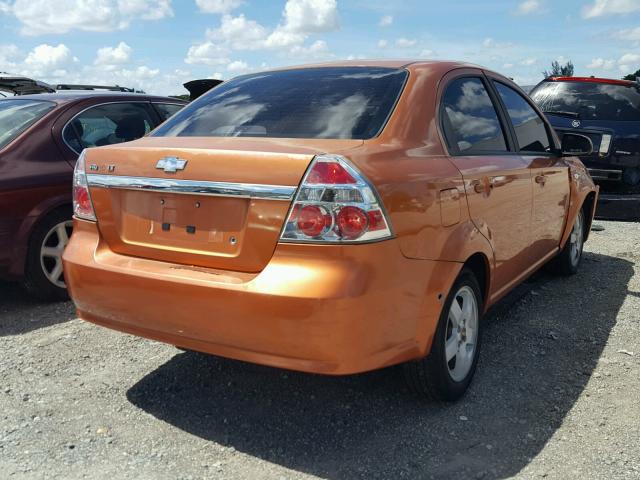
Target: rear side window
(331, 102)
(470, 118)
(17, 115)
(531, 132)
(589, 100)
(108, 124)
(165, 110)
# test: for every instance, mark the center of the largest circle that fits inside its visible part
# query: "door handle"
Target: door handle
(479, 186)
(541, 179)
(498, 181)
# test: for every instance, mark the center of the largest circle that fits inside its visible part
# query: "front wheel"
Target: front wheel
(445, 374)
(568, 260)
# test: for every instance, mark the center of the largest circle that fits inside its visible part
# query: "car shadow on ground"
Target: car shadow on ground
(541, 345)
(21, 313)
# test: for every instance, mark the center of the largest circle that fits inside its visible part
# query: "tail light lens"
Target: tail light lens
(82, 205)
(335, 204)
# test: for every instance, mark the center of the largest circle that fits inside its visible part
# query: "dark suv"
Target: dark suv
(41, 137)
(605, 110)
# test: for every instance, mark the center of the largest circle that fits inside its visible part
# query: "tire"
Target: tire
(436, 378)
(43, 276)
(567, 262)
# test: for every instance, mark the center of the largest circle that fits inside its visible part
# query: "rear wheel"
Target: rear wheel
(445, 374)
(567, 262)
(44, 273)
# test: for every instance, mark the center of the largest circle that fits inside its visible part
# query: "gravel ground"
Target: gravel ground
(556, 396)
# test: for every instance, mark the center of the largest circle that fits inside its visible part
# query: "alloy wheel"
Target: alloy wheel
(51, 252)
(462, 333)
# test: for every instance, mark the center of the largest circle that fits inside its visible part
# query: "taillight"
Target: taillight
(82, 205)
(335, 204)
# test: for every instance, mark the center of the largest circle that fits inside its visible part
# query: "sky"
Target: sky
(157, 45)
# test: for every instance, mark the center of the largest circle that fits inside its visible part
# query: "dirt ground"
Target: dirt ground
(556, 395)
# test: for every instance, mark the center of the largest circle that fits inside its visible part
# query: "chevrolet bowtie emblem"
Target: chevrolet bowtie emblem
(171, 164)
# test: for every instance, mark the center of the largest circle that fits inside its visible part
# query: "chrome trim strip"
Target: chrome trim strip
(193, 187)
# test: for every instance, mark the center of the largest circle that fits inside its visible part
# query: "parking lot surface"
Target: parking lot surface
(556, 395)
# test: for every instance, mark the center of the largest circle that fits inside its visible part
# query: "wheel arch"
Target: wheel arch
(23, 236)
(479, 264)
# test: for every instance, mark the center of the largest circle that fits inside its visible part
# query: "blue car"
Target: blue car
(605, 110)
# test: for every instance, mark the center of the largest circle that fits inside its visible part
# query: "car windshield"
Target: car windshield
(589, 100)
(17, 115)
(337, 102)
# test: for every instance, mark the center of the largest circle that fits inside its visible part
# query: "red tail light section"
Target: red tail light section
(82, 205)
(335, 204)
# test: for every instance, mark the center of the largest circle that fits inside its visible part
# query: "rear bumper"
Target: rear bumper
(322, 309)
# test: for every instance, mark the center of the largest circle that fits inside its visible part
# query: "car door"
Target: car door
(497, 179)
(549, 172)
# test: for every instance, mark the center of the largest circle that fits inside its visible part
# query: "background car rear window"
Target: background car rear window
(17, 115)
(471, 121)
(337, 102)
(165, 110)
(590, 101)
(529, 127)
(108, 124)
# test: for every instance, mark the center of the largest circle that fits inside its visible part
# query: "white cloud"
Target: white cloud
(301, 18)
(427, 53)
(238, 66)
(528, 62)
(49, 60)
(218, 6)
(507, 65)
(8, 53)
(317, 50)
(45, 16)
(383, 43)
(601, 8)
(113, 55)
(601, 64)
(207, 53)
(239, 33)
(529, 7)
(311, 16)
(385, 21)
(490, 43)
(405, 42)
(628, 35)
(629, 62)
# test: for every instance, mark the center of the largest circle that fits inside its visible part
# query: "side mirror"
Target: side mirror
(574, 144)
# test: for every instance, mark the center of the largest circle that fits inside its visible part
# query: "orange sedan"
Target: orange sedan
(334, 219)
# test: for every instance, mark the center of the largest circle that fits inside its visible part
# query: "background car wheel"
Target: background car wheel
(445, 374)
(568, 260)
(43, 273)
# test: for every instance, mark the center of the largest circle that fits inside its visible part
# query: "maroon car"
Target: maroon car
(41, 137)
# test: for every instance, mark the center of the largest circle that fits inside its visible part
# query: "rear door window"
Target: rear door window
(166, 110)
(108, 124)
(530, 129)
(470, 118)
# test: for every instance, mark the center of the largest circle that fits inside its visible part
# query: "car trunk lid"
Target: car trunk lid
(225, 208)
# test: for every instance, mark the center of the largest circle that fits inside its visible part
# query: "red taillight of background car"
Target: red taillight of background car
(82, 205)
(335, 204)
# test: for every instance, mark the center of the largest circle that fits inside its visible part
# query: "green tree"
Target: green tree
(633, 76)
(558, 70)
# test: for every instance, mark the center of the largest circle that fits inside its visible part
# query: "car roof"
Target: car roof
(385, 63)
(68, 96)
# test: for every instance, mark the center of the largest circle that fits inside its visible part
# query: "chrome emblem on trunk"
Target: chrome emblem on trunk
(171, 164)
(575, 123)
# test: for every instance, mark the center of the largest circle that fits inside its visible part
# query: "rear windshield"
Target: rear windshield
(340, 102)
(17, 115)
(589, 100)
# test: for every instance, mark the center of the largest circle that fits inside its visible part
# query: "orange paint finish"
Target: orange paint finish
(333, 309)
